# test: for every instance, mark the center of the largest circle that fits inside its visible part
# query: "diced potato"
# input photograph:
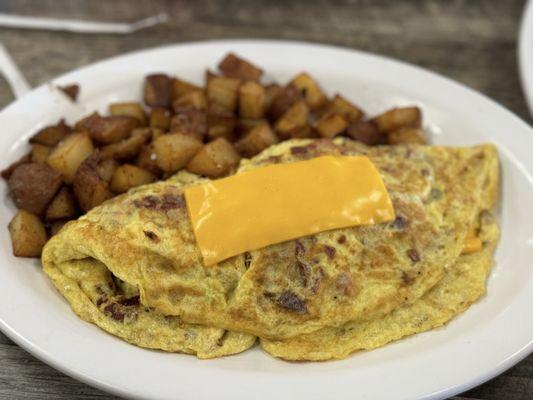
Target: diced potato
(128, 176)
(251, 100)
(51, 135)
(235, 67)
(182, 88)
(106, 169)
(89, 188)
(32, 186)
(366, 132)
(396, 118)
(215, 159)
(244, 125)
(158, 90)
(160, 118)
(134, 110)
(344, 107)
(67, 156)
(331, 125)
(221, 123)
(256, 140)
(28, 234)
(208, 76)
(63, 206)
(293, 120)
(196, 100)
(175, 150)
(26, 159)
(108, 129)
(284, 99)
(147, 159)
(39, 153)
(406, 136)
(71, 91)
(271, 91)
(55, 226)
(127, 148)
(311, 91)
(224, 92)
(190, 122)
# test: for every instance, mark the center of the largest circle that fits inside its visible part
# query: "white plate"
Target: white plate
(491, 336)
(525, 53)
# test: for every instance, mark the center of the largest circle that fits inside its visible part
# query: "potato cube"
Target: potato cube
(55, 226)
(221, 123)
(256, 140)
(175, 150)
(67, 156)
(89, 188)
(311, 91)
(181, 88)
(190, 122)
(63, 206)
(28, 234)
(331, 125)
(39, 153)
(215, 159)
(294, 119)
(128, 176)
(147, 159)
(158, 90)
(134, 110)
(271, 91)
(106, 169)
(160, 118)
(251, 100)
(127, 148)
(407, 136)
(344, 107)
(284, 99)
(224, 92)
(26, 159)
(235, 67)
(366, 132)
(396, 118)
(108, 129)
(196, 100)
(244, 125)
(51, 135)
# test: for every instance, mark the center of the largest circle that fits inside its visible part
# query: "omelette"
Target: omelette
(132, 265)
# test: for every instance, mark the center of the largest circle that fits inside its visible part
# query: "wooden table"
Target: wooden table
(471, 41)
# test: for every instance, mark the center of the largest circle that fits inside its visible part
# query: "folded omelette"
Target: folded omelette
(132, 267)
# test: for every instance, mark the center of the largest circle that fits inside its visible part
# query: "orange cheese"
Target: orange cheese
(280, 202)
(472, 243)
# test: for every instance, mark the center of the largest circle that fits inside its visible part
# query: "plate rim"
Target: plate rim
(525, 53)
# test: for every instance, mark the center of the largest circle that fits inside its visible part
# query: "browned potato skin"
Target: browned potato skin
(224, 92)
(196, 100)
(26, 159)
(127, 148)
(175, 150)
(284, 99)
(189, 122)
(68, 155)
(221, 123)
(234, 67)
(407, 136)
(71, 91)
(108, 130)
(344, 107)
(181, 88)
(32, 186)
(55, 226)
(311, 91)
(28, 234)
(331, 125)
(215, 159)
(294, 121)
(251, 100)
(147, 159)
(130, 109)
(106, 169)
(51, 135)
(244, 125)
(63, 206)
(128, 176)
(158, 90)
(39, 153)
(366, 132)
(256, 140)
(160, 118)
(89, 188)
(397, 118)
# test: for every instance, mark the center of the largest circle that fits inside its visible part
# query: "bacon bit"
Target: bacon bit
(413, 255)
(317, 281)
(149, 202)
(152, 236)
(114, 310)
(424, 172)
(297, 150)
(341, 239)
(247, 260)
(344, 283)
(71, 91)
(290, 301)
(399, 222)
(101, 300)
(330, 251)
(132, 301)
(304, 272)
(407, 279)
(171, 201)
(299, 249)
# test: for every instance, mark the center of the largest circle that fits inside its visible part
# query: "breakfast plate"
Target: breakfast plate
(474, 347)
(525, 53)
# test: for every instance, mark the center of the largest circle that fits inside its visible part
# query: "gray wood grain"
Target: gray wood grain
(471, 41)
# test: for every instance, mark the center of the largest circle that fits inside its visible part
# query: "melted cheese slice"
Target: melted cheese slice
(280, 202)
